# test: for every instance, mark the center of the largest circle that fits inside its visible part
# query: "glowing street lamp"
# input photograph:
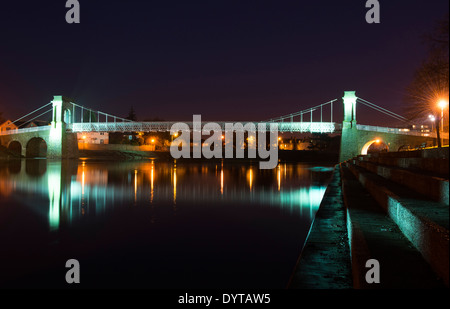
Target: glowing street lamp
(442, 104)
(432, 119)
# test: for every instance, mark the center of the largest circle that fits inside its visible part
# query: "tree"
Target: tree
(89, 116)
(131, 115)
(319, 141)
(430, 83)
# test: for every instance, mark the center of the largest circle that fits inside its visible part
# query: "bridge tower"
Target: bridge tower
(61, 144)
(355, 142)
(349, 136)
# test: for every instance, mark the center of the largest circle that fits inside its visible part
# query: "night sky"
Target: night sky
(225, 60)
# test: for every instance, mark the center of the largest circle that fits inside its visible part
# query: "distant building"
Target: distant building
(93, 137)
(31, 124)
(417, 128)
(7, 125)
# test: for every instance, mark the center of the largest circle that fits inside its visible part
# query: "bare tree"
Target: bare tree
(430, 83)
(131, 114)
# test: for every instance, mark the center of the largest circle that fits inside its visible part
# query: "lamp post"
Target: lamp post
(442, 104)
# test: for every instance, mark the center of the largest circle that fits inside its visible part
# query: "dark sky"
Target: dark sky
(225, 60)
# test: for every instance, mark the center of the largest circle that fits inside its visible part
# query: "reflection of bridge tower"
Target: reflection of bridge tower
(60, 143)
(59, 175)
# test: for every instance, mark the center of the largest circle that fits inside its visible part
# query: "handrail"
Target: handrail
(26, 130)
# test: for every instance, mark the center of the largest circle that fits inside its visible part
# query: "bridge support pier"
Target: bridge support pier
(355, 142)
(349, 135)
(61, 144)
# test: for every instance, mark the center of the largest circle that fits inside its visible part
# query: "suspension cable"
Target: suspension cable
(32, 112)
(91, 110)
(381, 109)
(300, 113)
(29, 121)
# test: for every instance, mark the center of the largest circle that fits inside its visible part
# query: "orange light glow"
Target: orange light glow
(442, 103)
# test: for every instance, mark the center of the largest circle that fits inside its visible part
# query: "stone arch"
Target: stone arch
(67, 116)
(36, 147)
(15, 148)
(367, 145)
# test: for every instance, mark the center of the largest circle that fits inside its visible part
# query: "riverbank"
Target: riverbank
(389, 207)
(309, 156)
(127, 152)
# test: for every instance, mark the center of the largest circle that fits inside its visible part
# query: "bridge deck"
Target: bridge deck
(317, 127)
(165, 126)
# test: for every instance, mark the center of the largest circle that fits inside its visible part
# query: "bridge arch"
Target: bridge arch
(376, 141)
(36, 147)
(15, 147)
(67, 116)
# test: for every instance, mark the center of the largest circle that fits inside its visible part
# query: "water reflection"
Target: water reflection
(76, 189)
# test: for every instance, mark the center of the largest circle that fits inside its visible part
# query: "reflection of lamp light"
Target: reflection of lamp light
(250, 178)
(135, 185)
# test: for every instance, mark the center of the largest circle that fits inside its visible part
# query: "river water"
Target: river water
(155, 224)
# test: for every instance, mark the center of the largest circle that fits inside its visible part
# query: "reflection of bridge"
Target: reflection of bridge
(72, 190)
(59, 139)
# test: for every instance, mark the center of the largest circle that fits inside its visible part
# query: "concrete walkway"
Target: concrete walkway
(325, 259)
(375, 209)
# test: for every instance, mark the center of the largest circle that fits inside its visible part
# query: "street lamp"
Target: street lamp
(432, 119)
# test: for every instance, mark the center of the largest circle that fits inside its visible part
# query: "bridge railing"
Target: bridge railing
(315, 127)
(394, 130)
(25, 130)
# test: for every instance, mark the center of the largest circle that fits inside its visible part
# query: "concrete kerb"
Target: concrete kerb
(428, 237)
(324, 262)
(433, 187)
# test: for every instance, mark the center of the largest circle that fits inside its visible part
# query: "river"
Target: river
(155, 224)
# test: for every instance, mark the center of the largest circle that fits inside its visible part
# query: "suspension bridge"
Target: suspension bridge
(69, 118)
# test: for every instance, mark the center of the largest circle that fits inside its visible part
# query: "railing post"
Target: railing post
(331, 111)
